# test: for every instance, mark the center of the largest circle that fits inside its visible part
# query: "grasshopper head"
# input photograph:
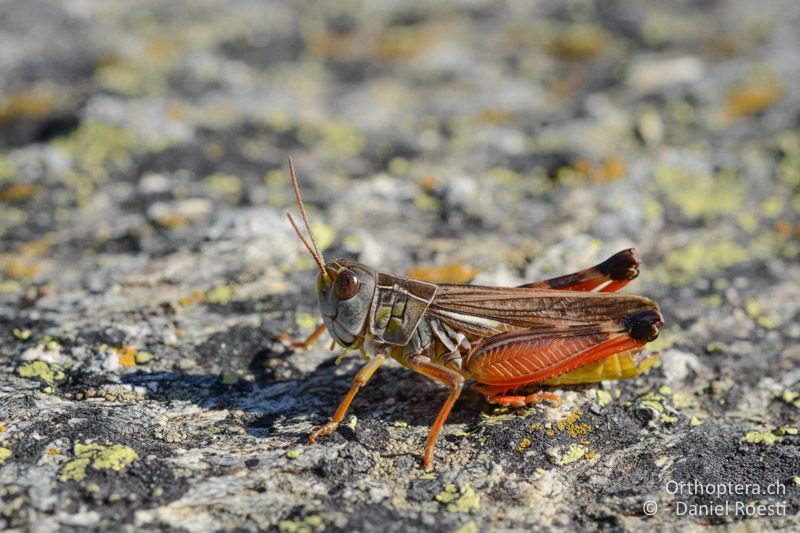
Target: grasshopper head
(345, 290)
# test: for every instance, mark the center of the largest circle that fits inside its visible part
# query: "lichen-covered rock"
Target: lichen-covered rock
(147, 268)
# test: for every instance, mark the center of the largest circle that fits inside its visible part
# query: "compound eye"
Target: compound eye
(346, 285)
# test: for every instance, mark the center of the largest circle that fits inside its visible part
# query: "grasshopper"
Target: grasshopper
(567, 330)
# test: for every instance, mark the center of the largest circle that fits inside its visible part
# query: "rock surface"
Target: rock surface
(147, 266)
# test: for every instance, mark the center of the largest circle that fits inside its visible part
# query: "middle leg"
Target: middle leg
(455, 382)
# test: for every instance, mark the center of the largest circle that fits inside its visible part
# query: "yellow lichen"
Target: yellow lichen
(603, 397)
(47, 372)
(340, 140)
(767, 437)
(426, 202)
(469, 527)
(575, 452)
(306, 524)
(306, 321)
(524, 444)
(221, 294)
(5, 453)
(700, 195)
(230, 187)
(294, 454)
(324, 234)
(22, 334)
(754, 310)
(683, 265)
(98, 456)
(500, 415)
(459, 500)
(772, 207)
(681, 400)
(123, 77)
(791, 398)
(398, 166)
(143, 357)
(95, 147)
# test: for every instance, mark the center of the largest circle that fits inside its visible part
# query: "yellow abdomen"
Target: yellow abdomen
(622, 365)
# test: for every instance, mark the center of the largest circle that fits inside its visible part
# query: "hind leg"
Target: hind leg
(498, 398)
(609, 276)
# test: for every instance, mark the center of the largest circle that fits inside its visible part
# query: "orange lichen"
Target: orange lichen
(565, 86)
(428, 182)
(19, 269)
(450, 273)
(785, 228)
(401, 43)
(569, 424)
(127, 355)
(580, 42)
(612, 168)
(34, 248)
(749, 99)
(193, 298)
(328, 44)
(495, 115)
(17, 192)
(26, 104)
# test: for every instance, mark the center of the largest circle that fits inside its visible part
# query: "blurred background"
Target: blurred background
(124, 126)
(144, 251)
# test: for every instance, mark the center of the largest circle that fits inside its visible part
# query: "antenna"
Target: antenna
(313, 250)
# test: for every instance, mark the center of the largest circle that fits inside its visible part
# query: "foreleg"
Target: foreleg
(288, 341)
(359, 381)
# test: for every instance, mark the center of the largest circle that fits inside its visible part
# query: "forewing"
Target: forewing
(490, 310)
